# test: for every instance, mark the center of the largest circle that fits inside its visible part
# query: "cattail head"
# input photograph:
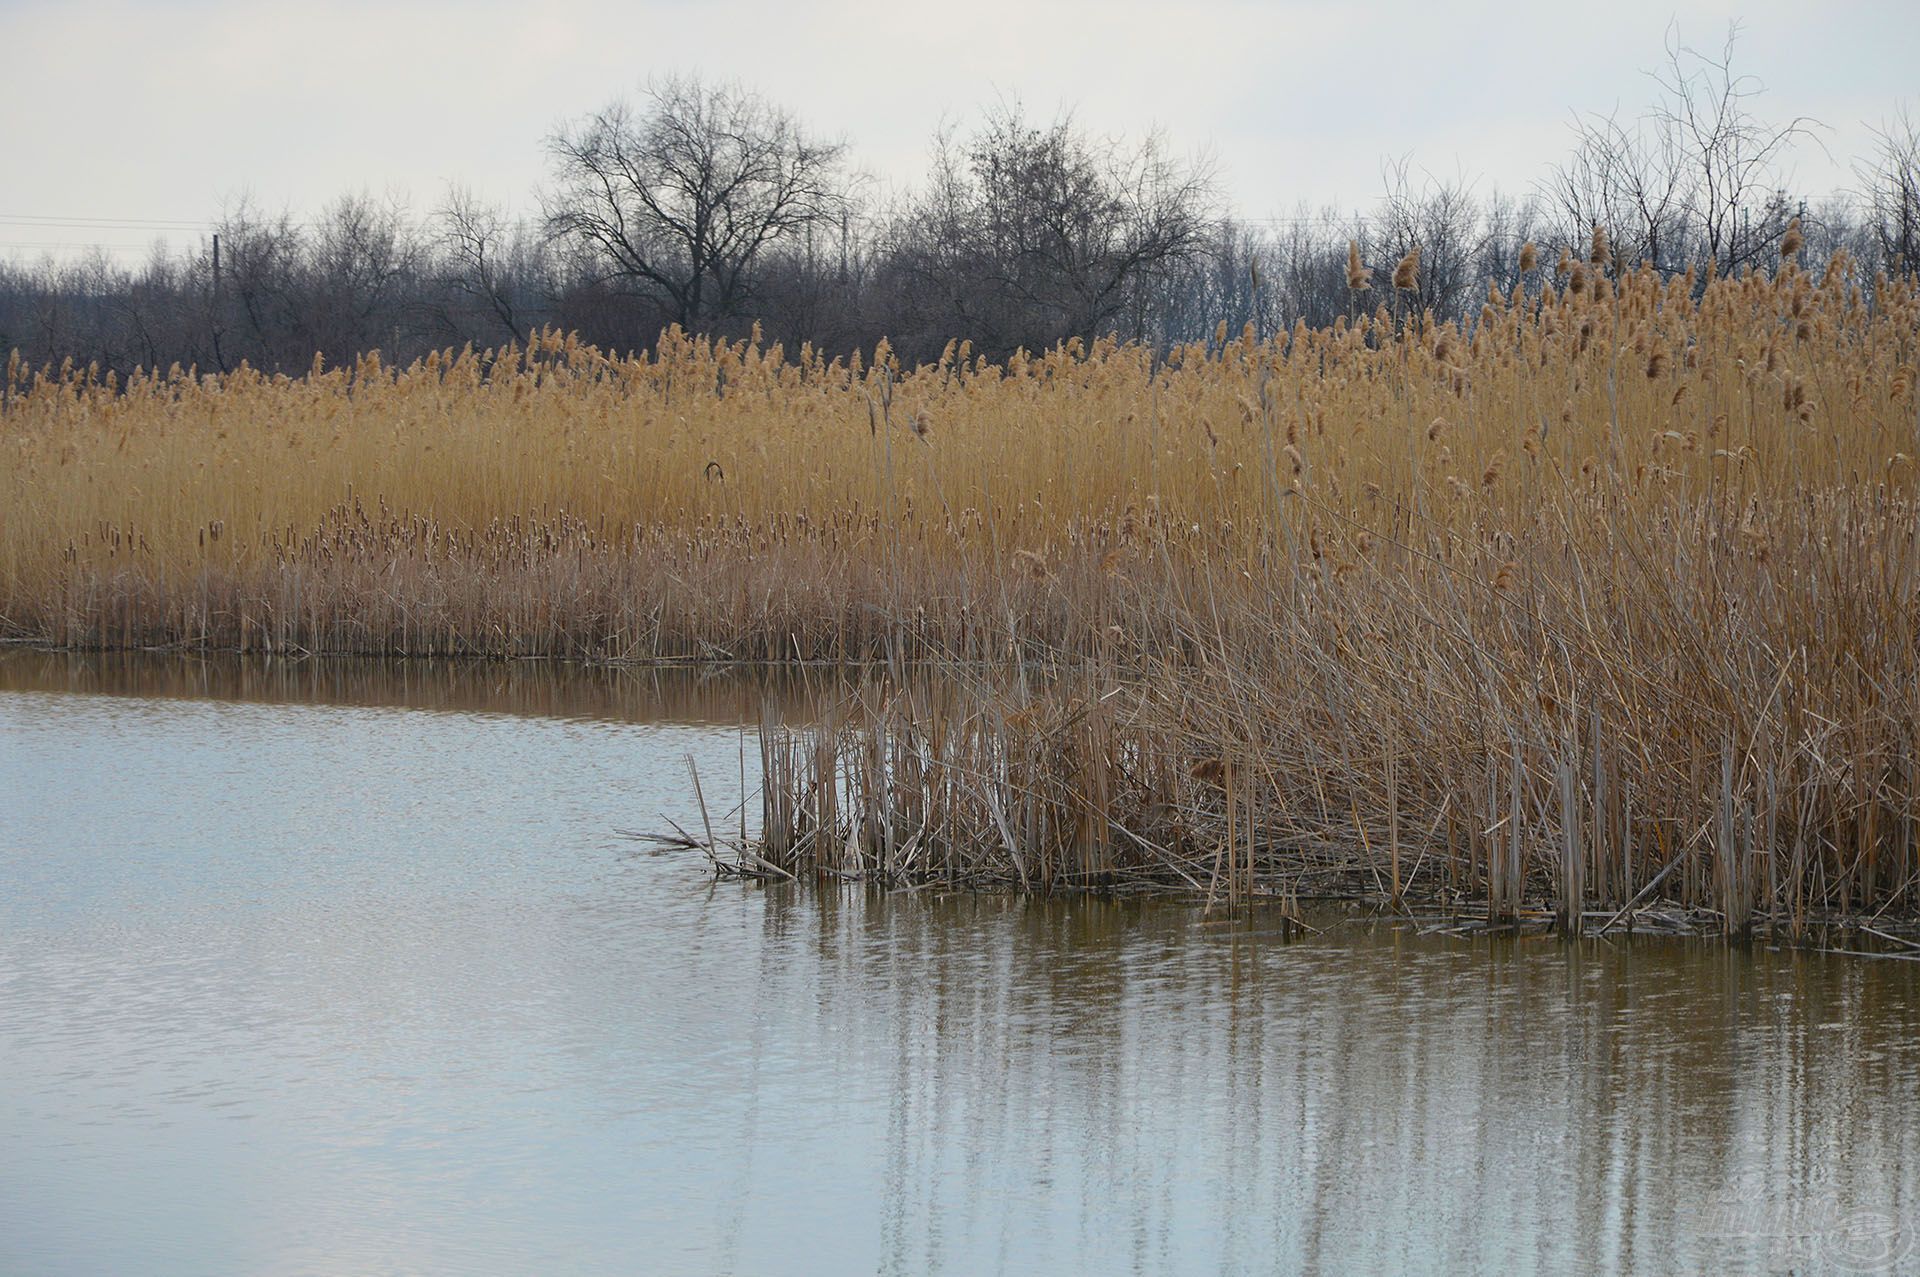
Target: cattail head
(1406, 276)
(1599, 253)
(1793, 241)
(1565, 264)
(1357, 275)
(1529, 257)
(1656, 364)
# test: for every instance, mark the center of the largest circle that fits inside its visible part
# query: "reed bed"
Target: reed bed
(1605, 599)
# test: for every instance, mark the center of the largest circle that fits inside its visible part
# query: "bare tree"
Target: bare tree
(1027, 235)
(1890, 184)
(360, 271)
(1730, 151)
(679, 201)
(255, 308)
(489, 263)
(1634, 179)
(1694, 178)
(1442, 220)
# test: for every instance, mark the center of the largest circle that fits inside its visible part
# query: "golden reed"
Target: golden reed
(1609, 593)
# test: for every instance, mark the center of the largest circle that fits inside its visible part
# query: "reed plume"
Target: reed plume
(1792, 241)
(1406, 276)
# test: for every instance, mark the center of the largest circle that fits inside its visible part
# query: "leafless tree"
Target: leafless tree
(486, 261)
(1026, 235)
(1631, 178)
(1694, 178)
(1731, 153)
(1442, 219)
(1890, 184)
(255, 302)
(360, 276)
(679, 200)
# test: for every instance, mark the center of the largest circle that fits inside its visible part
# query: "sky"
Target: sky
(131, 122)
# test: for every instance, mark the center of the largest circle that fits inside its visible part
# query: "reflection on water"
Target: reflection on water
(560, 689)
(288, 986)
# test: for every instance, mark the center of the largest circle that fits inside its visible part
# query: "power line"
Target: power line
(129, 223)
(72, 243)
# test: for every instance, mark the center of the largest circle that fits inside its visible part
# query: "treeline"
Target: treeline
(710, 208)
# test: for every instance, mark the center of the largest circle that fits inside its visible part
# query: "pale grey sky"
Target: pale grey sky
(155, 113)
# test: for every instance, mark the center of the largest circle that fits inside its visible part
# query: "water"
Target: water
(296, 976)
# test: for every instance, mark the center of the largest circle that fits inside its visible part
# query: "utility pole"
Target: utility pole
(219, 358)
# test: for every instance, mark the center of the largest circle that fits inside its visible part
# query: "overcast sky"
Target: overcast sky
(158, 113)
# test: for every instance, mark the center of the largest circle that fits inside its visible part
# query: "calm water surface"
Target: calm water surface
(349, 970)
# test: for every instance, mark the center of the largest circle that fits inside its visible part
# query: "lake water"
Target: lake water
(349, 969)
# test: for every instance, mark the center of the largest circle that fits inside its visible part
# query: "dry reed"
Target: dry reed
(1590, 637)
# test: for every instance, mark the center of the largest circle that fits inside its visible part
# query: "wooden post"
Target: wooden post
(219, 357)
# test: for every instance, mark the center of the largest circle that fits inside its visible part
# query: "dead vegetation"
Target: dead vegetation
(1603, 602)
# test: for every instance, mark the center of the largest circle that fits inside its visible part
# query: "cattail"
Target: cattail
(1565, 264)
(1529, 257)
(1357, 275)
(1793, 241)
(1599, 254)
(1406, 276)
(1656, 364)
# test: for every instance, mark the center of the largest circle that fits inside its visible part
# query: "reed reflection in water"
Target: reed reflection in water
(289, 986)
